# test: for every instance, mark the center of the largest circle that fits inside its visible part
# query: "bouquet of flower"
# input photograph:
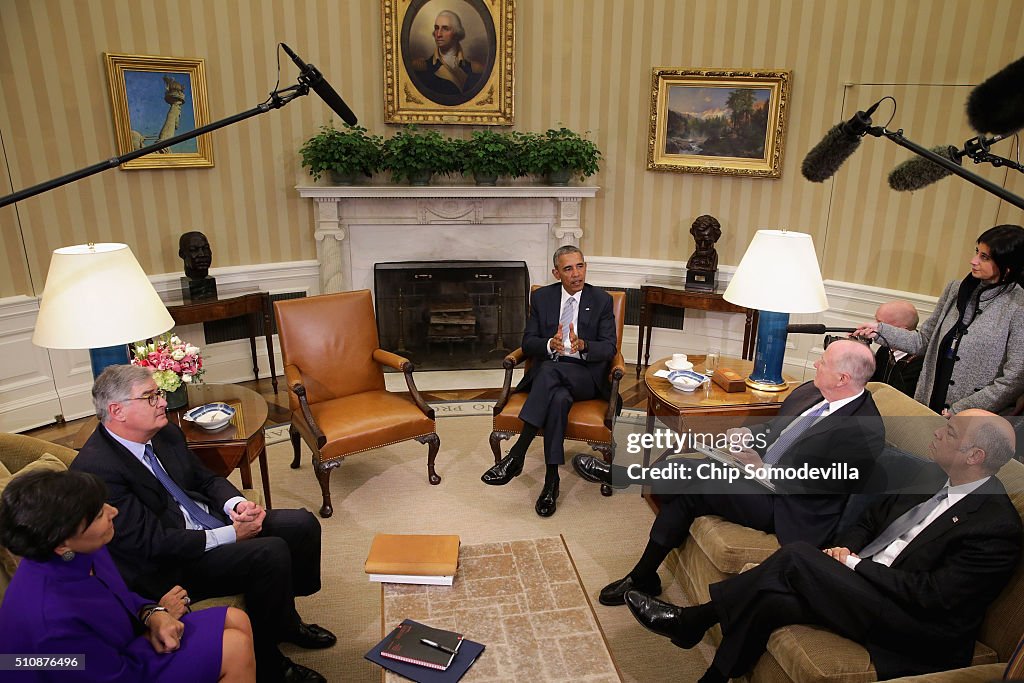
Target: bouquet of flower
(173, 361)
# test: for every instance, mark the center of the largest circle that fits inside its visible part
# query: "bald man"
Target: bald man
(898, 369)
(911, 581)
(831, 420)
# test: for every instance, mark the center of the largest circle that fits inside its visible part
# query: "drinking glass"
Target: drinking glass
(711, 361)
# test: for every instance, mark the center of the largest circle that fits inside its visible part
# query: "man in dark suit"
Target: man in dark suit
(570, 335)
(911, 581)
(178, 523)
(898, 369)
(836, 423)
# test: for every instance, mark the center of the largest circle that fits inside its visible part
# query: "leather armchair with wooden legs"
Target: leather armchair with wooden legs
(591, 421)
(334, 368)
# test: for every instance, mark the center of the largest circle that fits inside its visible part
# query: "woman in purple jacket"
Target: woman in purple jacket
(68, 614)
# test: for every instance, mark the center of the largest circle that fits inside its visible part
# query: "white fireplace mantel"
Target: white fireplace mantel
(357, 226)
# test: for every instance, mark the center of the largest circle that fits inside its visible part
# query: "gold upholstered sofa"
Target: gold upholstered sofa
(18, 452)
(717, 549)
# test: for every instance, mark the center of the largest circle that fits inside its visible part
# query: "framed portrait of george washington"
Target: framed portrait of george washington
(448, 61)
(154, 99)
(725, 122)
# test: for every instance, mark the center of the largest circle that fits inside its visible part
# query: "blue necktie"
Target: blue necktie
(790, 435)
(566, 320)
(198, 515)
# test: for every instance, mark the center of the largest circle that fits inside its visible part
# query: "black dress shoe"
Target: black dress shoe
(545, 506)
(664, 619)
(595, 470)
(614, 594)
(502, 473)
(296, 673)
(312, 637)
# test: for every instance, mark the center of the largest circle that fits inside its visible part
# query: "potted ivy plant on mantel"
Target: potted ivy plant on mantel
(559, 154)
(488, 154)
(342, 153)
(415, 155)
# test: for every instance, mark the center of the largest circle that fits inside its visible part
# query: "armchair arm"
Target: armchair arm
(617, 372)
(294, 377)
(509, 363)
(393, 360)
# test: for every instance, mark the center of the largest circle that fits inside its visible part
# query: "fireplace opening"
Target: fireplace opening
(451, 315)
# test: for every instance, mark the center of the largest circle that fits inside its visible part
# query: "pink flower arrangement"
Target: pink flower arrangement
(173, 361)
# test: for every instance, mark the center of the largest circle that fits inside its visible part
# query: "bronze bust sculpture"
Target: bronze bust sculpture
(194, 250)
(702, 266)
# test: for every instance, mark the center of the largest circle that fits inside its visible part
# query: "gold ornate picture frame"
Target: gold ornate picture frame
(155, 98)
(449, 61)
(718, 121)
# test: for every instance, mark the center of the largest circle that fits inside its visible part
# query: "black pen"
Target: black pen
(438, 646)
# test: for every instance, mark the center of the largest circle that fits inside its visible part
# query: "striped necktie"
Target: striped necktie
(789, 436)
(198, 515)
(566, 320)
(904, 523)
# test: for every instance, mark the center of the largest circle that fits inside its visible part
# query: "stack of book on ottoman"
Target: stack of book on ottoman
(412, 558)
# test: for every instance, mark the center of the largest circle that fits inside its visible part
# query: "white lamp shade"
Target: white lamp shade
(97, 295)
(779, 272)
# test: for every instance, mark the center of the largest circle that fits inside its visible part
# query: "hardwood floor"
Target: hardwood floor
(633, 392)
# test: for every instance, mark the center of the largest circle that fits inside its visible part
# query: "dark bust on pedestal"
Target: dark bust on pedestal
(194, 249)
(702, 266)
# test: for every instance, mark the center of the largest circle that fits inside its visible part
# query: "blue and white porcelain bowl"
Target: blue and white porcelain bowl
(212, 416)
(686, 380)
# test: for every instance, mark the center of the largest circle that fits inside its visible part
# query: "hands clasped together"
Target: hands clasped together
(247, 518)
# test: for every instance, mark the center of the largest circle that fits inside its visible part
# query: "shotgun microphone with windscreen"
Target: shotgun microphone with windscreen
(312, 77)
(816, 329)
(842, 140)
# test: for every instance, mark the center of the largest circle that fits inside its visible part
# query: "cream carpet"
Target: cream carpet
(386, 490)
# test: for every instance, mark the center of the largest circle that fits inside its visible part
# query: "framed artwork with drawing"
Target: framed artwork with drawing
(726, 122)
(156, 98)
(448, 61)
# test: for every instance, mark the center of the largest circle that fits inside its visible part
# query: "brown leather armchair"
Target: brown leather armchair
(336, 385)
(591, 421)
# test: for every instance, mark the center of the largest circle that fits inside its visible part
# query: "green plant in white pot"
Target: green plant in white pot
(343, 153)
(560, 154)
(414, 155)
(489, 154)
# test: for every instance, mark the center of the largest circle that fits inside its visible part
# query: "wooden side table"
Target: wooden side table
(716, 408)
(224, 450)
(253, 305)
(680, 298)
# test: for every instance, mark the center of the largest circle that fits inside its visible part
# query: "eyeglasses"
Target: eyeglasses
(153, 398)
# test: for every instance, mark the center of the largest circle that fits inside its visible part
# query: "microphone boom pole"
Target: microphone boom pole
(952, 167)
(278, 99)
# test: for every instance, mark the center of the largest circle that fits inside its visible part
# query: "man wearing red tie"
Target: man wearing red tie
(570, 335)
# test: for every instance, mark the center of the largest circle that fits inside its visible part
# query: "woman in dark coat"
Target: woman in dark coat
(67, 600)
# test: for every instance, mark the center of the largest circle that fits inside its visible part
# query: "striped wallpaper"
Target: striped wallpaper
(585, 64)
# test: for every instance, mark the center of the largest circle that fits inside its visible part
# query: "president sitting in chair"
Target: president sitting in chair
(571, 338)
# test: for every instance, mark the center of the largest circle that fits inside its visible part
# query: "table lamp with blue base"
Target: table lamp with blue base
(778, 275)
(97, 297)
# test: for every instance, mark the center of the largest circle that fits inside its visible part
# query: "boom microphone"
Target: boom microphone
(842, 140)
(312, 77)
(997, 104)
(817, 329)
(918, 172)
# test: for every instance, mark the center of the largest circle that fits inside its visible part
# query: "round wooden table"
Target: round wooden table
(234, 446)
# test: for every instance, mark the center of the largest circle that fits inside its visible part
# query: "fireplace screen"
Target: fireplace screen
(451, 315)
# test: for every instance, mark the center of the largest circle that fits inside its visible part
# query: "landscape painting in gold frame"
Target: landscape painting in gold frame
(449, 61)
(726, 122)
(155, 98)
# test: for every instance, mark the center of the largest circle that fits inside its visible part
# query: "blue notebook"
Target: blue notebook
(464, 658)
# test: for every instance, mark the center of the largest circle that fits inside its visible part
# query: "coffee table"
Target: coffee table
(234, 446)
(524, 601)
